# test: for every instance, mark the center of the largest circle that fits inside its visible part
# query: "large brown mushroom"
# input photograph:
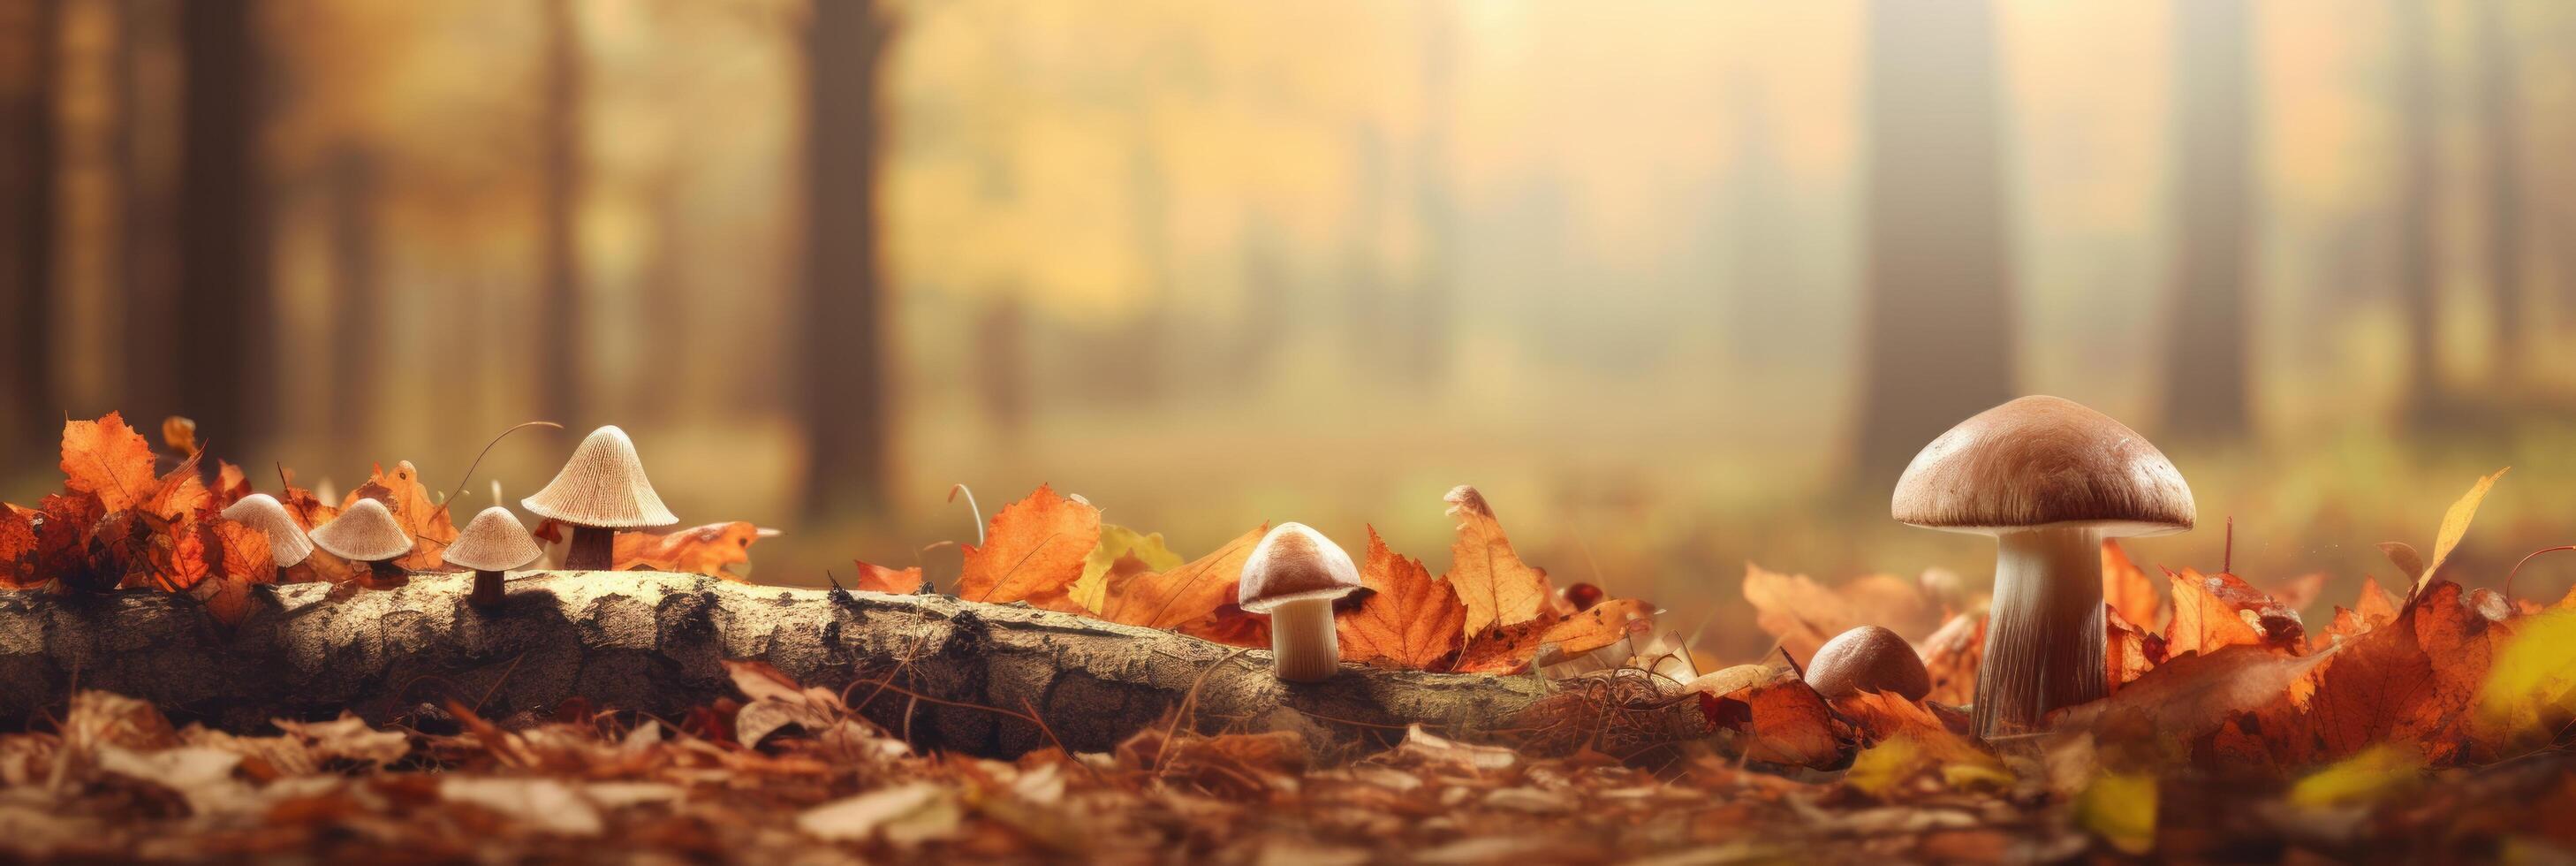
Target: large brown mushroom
(1294, 575)
(494, 543)
(2049, 479)
(368, 533)
(601, 490)
(287, 546)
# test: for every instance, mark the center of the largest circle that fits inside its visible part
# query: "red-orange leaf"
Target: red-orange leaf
(1497, 587)
(1033, 552)
(895, 581)
(2128, 590)
(1181, 595)
(1409, 620)
(230, 484)
(2221, 610)
(2131, 651)
(432, 528)
(17, 550)
(704, 550)
(109, 459)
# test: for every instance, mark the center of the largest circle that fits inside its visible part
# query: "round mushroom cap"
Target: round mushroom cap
(287, 545)
(1295, 563)
(2043, 461)
(1868, 659)
(367, 532)
(602, 486)
(495, 541)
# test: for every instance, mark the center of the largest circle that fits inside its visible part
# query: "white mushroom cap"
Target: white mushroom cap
(495, 541)
(367, 532)
(2043, 461)
(1295, 563)
(287, 545)
(603, 486)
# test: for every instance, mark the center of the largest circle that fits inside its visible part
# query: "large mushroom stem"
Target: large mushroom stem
(593, 549)
(1303, 642)
(2044, 630)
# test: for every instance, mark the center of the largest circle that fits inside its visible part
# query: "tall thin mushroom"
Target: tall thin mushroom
(368, 533)
(494, 543)
(601, 490)
(2049, 479)
(287, 546)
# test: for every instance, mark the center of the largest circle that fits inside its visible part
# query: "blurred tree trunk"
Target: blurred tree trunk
(2205, 355)
(1429, 347)
(2498, 106)
(1001, 366)
(224, 307)
(28, 412)
(2416, 200)
(1937, 305)
(1363, 276)
(846, 400)
(664, 295)
(1143, 343)
(1764, 298)
(559, 354)
(358, 305)
(147, 144)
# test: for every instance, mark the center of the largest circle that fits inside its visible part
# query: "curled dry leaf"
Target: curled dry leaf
(1170, 598)
(894, 581)
(2214, 611)
(2127, 589)
(1498, 589)
(1783, 722)
(108, 459)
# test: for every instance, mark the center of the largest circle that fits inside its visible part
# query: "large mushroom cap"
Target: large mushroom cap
(495, 541)
(367, 532)
(603, 485)
(1295, 563)
(287, 545)
(2043, 461)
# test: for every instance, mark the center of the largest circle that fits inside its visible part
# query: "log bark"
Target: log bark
(654, 643)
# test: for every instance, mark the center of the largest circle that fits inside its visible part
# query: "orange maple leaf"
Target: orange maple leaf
(230, 484)
(707, 550)
(895, 581)
(1033, 552)
(107, 458)
(1409, 620)
(180, 494)
(1497, 587)
(1168, 599)
(2222, 610)
(432, 528)
(2127, 588)
(2413, 681)
(1784, 721)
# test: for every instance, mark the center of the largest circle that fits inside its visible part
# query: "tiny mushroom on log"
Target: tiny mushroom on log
(287, 546)
(1868, 659)
(2049, 479)
(1294, 575)
(494, 543)
(601, 490)
(367, 533)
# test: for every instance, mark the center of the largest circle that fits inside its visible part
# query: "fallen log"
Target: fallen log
(931, 668)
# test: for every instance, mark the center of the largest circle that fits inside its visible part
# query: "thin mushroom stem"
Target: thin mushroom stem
(487, 589)
(1303, 642)
(2044, 632)
(386, 573)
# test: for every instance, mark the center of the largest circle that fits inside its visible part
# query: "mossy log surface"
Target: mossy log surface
(654, 643)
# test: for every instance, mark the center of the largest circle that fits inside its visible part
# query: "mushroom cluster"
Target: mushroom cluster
(2049, 480)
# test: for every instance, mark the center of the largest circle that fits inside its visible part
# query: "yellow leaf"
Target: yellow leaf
(1091, 590)
(2531, 689)
(2378, 773)
(2455, 524)
(2120, 808)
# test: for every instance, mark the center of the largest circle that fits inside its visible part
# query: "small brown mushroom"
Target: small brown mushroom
(601, 490)
(1868, 659)
(494, 543)
(2049, 479)
(368, 533)
(287, 546)
(1294, 575)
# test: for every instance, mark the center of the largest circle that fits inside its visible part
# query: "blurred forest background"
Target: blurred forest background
(1680, 285)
